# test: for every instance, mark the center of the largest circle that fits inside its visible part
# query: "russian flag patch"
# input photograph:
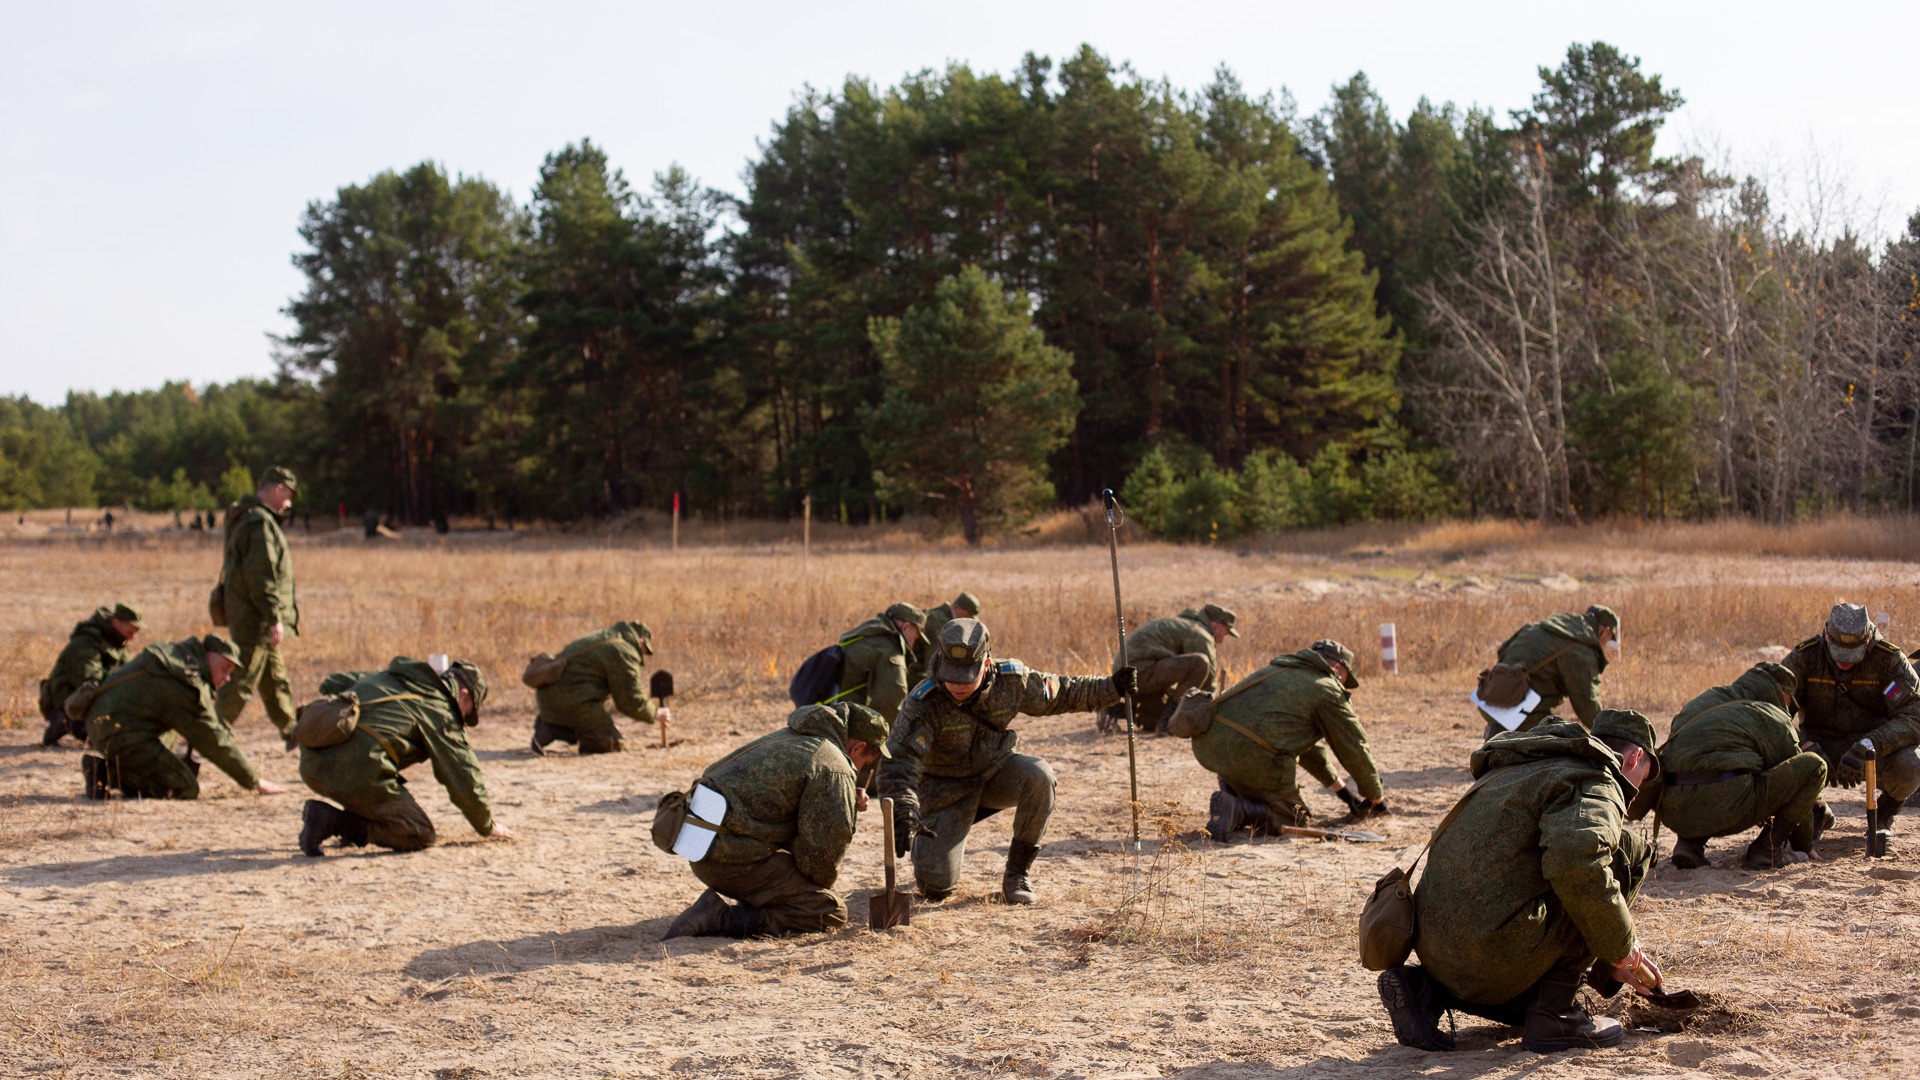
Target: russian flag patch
(1893, 693)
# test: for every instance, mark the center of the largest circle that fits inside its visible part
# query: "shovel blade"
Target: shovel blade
(1685, 999)
(889, 908)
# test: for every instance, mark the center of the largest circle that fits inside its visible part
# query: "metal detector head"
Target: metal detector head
(661, 685)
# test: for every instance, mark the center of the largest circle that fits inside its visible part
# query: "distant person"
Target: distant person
(408, 715)
(873, 671)
(790, 798)
(1857, 700)
(1564, 656)
(1277, 718)
(964, 606)
(97, 645)
(371, 522)
(257, 574)
(167, 688)
(606, 664)
(1174, 654)
(108, 519)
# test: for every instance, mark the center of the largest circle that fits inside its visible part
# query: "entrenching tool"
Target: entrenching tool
(1356, 836)
(660, 688)
(1120, 616)
(1876, 837)
(1684, 999)
(894, 906)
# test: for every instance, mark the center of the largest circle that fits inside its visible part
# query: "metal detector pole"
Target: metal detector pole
(1120, 617)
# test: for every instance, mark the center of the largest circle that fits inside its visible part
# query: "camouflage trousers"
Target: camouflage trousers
(142, 766)
(1161, 684)
(790, 902)
(1897, 774)
(261, 666)
(366, 783)
(593, 735)
(1727, 807)
(1022, 782)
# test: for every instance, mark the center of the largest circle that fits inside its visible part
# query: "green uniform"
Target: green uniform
(258, 574)
(952, 762)
(1295, 703)
(790, 816)
(165, 688)
(407, 715)
(1732, 762)
(1566, 658)
(93, 649)
(874, 670)
(1875, 699)
(602, 665)
(1538, 870)
(937, 617)
(1173, 654)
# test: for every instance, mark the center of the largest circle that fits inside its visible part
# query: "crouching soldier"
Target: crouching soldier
(1564, 656)
(875, 658)
(407, 714)
(97, 645)
(789, 799)
(602, 665)
(1528, 884)
(951, 761)
(1731, 762)
(1277, 717)
(1859, 702)
(1174, 654)
(166, 687)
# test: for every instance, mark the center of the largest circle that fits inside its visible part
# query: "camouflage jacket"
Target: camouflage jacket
(1739, 727)
(945, 750)
(607, 663)
(94, 649)
(874, 671)
(407, 715)
(258, 572)
(1538, 867)
(1175, 635)
(1294, 703)
(793, 789)
(166, 687)
(1873, 700)
(1573, 675)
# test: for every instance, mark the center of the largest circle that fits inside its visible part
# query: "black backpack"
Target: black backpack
(818, 678)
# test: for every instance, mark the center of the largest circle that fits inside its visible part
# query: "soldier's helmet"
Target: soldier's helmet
(1849, 633)
(961, 652)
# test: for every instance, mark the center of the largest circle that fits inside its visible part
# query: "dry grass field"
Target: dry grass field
(192, 939)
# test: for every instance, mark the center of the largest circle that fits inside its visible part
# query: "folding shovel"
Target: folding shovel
(1876, 837)
(1356, 836)
(660, 688)
(892, 906)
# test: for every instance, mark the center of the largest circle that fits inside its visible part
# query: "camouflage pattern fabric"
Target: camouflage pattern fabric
(258, 571)
(791, 790)
(1297, 703)
(788, 900)
(874, 672)
(1175, 635)
(1874, 699)
(1738, 728)
(605, 664)
(937, 617)
(166, 688)
(1573, 676)
(93, 649)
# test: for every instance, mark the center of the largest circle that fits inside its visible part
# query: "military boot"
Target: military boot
(1888, 808)
(1015, 886)
(1770, 850)
(93, 771)
(1690, 854)
(745, 922)
(1408, 996)
(56, 730)
(1808, 833)
(707, 917)
(320, 822)
(1225, 814)
(543, 734)
(1554, 1022)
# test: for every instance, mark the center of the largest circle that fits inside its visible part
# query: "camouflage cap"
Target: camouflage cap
(127, 613)
(1849, 633)
(219, 645)
(961, 651)
(1333, 650)
(969, 602)
(467, 674)
(1781, 675)
(864, 724)
(1601, 615)
(1627, 725)
(279, 474)
(646, 635)
(908, 614)
(1224, 616)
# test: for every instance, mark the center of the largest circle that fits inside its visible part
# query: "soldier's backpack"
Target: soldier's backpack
(1505, 685)
(543, 670)
(327, 721)
(818, 678)
(82, 697)
(217, 604)
(1196, 711)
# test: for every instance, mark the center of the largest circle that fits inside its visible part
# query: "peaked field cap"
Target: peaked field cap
(864, 724)
(1782, 676)
(1602, 615)
(279, 474)
(1333, 650)
(961, 651)
(1628, 725)
(1224, 616)
(907, 613)
(127, 613)
(1849, 632)
(469, 676)
(220, 645)
(969, 601)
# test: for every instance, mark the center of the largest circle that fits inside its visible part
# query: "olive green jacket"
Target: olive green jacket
(1739, 727)
(792, 789)
(874, 670)
(1295, 702)
(1175, 635)
(94, 649)
(258, 573)
(166, 687)
(1572, 676)
(1537, 871)
(422, 723)
(603, 664)
(1875, 699)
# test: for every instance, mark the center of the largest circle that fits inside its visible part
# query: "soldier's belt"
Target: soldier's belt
(1706, 776)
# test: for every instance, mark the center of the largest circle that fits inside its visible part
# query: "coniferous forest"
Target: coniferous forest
(977, 295)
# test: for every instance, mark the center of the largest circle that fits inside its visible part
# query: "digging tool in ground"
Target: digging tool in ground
(1876, 836)
(1684, 999)
(660, 688)
(893, 906)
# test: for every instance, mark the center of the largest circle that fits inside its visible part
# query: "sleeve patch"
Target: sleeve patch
(1894, 693)
(1011, 667)
(1050, 686)
(922, 741)
(920, 692)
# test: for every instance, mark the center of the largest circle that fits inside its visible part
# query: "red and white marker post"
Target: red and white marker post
(1389, 649)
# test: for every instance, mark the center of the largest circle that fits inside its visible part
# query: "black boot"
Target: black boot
(321, 822)
(1226, 813)
(706, 917)
(1808, 833)
(1015, 887)
(746, 922)
(1556, 1023)
(56, 730)
(1770, 850)
(1888, 808)
(543, 734)
(191, 762)
(1690, 854)
(1408, 995)
(93, 772)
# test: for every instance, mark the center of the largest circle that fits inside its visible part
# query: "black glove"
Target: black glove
(1375, 808)
(906, 822)
(1355, 804)
(1852, 768)
(1125, 679)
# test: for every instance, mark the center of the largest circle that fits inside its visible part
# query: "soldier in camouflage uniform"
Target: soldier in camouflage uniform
(791, 799)
(408, 714)
(602, 665)
(1291, 706)
(951, 760)
(877, 653)
(964, 606)
(257, 571)
(167, 688)
(1565, 655)
(1528, 885)
(1857, 703)
(97, 645)
(1173, 654)
(1731, 761)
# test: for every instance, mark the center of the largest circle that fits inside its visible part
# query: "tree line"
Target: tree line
(980, 294)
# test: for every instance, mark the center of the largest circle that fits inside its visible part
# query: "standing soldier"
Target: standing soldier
(98, 645)
(873, 671)
(167, 687)
(964, 606)
(602, 665)
(1564, 656)
(407, 714)
(1277, 717)
(951, 761)
(256, 577)
(1174, 654)
(1857, 704)
(790, 803)
(1731, 761)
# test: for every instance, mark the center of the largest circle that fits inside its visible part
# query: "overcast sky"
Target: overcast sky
(155, 158)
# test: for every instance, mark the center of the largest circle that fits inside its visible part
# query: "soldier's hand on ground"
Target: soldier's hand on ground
(1637, 970)
(906, 822)
(1852, 769)
(276, 634)
(500, 832)
(267, 787)
(1125, 679)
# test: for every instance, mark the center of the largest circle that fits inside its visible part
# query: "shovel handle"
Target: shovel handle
(1873, 781)
(886, 840)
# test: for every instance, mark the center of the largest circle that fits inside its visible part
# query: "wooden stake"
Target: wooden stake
(806, 527)
(676, 528)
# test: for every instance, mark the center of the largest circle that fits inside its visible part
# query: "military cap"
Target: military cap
(219, 645)
(279, 474)
(961, 651)
(909, 614)
(1781, 675)
(646, 635)
(1333, 650)
(467, 674)
(127, 613)
(864, 724)
(1849, 633)
(968, 601)
(1224, 616)
(1630, 726)
(1601, 615)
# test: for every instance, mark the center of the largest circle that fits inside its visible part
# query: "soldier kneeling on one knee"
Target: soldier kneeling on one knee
(1859, 701)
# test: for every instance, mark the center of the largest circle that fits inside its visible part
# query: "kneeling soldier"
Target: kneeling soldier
(97, 645)
(407, 715)
(1277, 717)
(166, 687)
(1732, 762)
(790, 802)
(951, 760)
(1564, 656)
(1858, 701)
(1173, 654)
(602, 665)
(875, 658)
(1528, 884)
